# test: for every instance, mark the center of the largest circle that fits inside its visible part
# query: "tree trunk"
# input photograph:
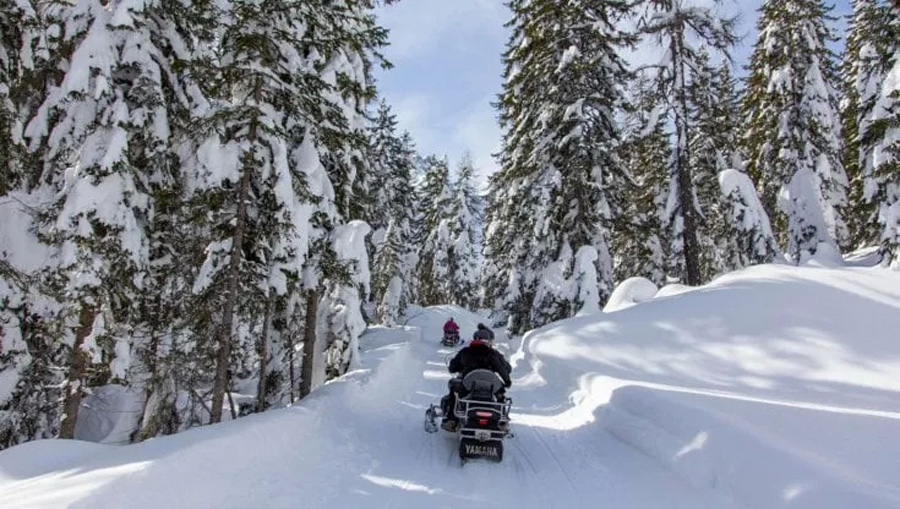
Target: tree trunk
(291, 364)
(682, 166)
(263, 358)
(77, 369)
(309, 343)
(151, 314)
(234, 414)
(223, 359)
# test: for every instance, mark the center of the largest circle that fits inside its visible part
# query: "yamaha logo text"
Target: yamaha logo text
(481, 450)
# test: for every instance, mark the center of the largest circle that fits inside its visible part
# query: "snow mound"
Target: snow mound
(632, 291)
(865, 257)
(34, 459)
(109, 415)
(673, 289)
(775, 386)
(827, 255)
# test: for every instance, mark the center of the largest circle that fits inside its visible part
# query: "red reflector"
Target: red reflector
(483, 414)
(482, 422)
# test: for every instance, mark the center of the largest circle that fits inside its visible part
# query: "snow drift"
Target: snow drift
(775, 386)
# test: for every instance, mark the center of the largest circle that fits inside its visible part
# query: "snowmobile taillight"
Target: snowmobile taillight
(482, 422)
(483, 414)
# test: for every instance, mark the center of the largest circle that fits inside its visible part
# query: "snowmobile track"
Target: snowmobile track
(562, 468)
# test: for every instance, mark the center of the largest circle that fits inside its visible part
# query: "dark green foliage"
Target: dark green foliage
(554, 192)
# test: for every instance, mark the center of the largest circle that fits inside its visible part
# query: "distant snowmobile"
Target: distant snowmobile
(483, 415)
(450, 339)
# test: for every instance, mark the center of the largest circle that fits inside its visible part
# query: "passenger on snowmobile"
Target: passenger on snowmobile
(483, 333)
(477, 355)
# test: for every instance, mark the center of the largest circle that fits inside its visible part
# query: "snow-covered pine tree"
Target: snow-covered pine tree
(436, 195)
(465, 227)
(256, 174)
(744, 215)
(32, 357)
(31, 63)
(167, 369)
(791, 113)
(713, 141)
(675, 25)
(867, 59)
(10, 20)
(123, 106)
(101, 133)
(637, 242)
(550, 198)
(350, 51)
(392, 161)
(882, 184)
(385, 148)
(281, 154)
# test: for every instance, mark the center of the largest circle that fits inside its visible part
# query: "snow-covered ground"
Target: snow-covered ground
(772, 387)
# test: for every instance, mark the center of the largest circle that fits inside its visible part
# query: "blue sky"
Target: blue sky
(446, 56)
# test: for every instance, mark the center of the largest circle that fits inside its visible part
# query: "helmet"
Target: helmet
(481, 326)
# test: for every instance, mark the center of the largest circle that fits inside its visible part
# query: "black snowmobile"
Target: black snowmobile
(450, 339)
(483, 414)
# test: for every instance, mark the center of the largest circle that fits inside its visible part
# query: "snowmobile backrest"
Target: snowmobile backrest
(482, 381)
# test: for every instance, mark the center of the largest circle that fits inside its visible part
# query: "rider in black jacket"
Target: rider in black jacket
(480, 355)
(477, 355)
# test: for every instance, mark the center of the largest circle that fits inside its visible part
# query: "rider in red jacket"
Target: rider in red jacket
(450, 327)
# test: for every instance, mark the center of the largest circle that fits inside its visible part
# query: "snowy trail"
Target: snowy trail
(542, 467)
(359, 444)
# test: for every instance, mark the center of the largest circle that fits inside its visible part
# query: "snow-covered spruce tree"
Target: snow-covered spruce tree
(350, 51)
(465, 228)
(32, 356)
(10, 20)
(791, 113)
(550, 199)
(384, 152)
(275, 178)
(247, 189)
(674, 26)
(752, 239)
(333, 289)
(100, 133)
(434, 257)
(166, 369)
(882, 184)
(32, 65)
(392, 160)
(637, 242)
(713, 140)
(867, 59)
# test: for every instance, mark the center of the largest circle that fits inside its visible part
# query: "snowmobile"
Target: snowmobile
(450, 339)
(482, 414)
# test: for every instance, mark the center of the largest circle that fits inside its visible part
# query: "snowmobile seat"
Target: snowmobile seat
(482, 385)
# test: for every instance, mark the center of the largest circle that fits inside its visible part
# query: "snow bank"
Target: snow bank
(673, 289)
(630, 292)
(865, 257)
(109, 415)
(827, 255)
(775, 386)
(763, 453)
